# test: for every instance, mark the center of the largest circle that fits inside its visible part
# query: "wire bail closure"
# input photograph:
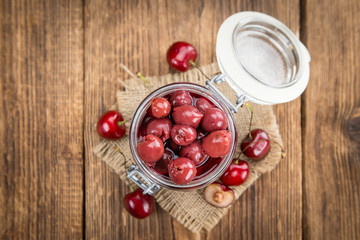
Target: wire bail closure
(241, 98)
(135, 174)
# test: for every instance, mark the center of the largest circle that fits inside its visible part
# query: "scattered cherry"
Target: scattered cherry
(138, 204)
(160, 107)
(182, 170)
(111, 125)
(180, 55)
(214, 119)
(219, 195)
(160, 128)
(150, 149)
(180, 98)
(256, 144)
(187, 115)
(236, 174)
(217, 143)
(194, 152)
(183, 135)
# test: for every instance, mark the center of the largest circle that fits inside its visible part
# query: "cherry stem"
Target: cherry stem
(251, 117)
(121, 123)
(283, 152)
(118, 150)
(194, 64)
(143, 78)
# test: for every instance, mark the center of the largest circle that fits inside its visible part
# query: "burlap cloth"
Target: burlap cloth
(190, 208)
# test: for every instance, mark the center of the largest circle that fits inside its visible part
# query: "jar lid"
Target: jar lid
(262, 58)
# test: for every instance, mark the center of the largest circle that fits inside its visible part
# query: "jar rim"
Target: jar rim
(140, 113)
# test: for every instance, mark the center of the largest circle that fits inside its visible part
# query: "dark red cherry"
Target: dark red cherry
(180, 54)
(236, 174)
(194, 152)
(111, 125)
(202, 104)
(172, 145)
(217, 143)
(214, 119)
(182, 170)
(150, 149)
(138, 204)
(160, 128)
(183, 135)
(187, 115)
(180, 98)
(161, 166)
(160, 107)
(256, 147)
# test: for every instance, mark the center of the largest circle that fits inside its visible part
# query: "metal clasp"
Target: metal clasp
(241, 98)
(137, 176)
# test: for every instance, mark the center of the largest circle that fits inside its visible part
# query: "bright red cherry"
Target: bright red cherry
(160, 128)
(180, 98)
(160, 107)
(217, 143)
(150, 149)
(180, 54)
(182, 170)
(256, 147)
(236, 174)
(187, 115)
(138, 204)
(214, 119)
(111, 125)
(202, 104)
(194, 152)
(183, 135)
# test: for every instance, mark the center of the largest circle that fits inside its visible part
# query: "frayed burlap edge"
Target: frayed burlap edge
(200, 215)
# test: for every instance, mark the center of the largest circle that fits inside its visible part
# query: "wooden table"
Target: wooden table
(59, 65)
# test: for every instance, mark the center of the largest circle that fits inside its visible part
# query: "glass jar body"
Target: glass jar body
(139, 115)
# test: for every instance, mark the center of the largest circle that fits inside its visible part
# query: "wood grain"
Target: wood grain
(137, 34)
(41, 120)
(331, 159)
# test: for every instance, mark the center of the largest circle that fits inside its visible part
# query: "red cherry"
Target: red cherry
(160, 128)
(180, 54)
(236, 174)
(160, 107)
(256, 147)
(183, 135)
(138, 204)
(214, 119)
(202, 104)
(172, 145)
(111, 125)
(180, 98)
(187, 115)
(161, 166)
(194, 152)
(150, 149)
(217, 143)
(182, 170)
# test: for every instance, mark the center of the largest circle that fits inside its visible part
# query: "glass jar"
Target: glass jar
(139, 115)
(261, 59)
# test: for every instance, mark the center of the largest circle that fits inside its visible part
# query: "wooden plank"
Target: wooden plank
(137, 34)
(331, 158)
(41, 120)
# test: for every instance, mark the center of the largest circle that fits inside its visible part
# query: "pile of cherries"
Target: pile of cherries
(184, 137)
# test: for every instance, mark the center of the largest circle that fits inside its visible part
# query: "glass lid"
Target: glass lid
(262, 58)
